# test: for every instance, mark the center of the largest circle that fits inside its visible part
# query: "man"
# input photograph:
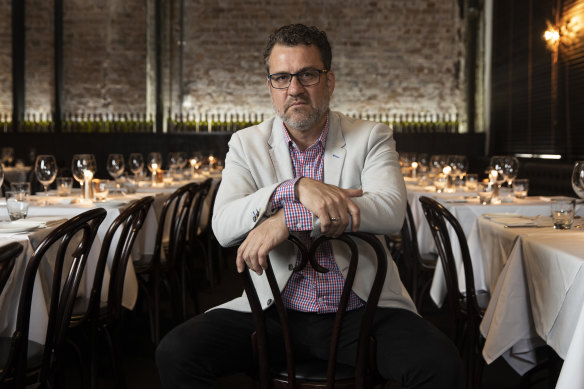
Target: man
(308, 171)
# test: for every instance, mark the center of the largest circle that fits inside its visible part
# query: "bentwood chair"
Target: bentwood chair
(167, 265)
(97, 315)
(418, 269)
(468, 308)
(319, 373)
(8, 255)
(24, 361)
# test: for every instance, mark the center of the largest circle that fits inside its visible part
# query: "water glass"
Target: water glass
(64, 185)
(17, 204)
(21, 188)
(100, 189)
(520, 187)
(471, 181)
(486, 191)
(563, 212)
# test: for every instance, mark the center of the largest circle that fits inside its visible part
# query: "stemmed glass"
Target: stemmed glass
(578, 178)
(498, 165)
(115, 166)
(154, 162)
(7, 155)
(1, 176)
(83, 167)
(46, 168)
(511, 169)
(136, 162)
(181, 159)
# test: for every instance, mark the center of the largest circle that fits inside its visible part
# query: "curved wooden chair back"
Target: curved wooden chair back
(174, 214)
(126, 228)
(8, 255)
(68, 267)
(364, 372)
(465, 309)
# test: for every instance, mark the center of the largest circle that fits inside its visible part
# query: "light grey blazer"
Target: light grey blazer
(358, 154)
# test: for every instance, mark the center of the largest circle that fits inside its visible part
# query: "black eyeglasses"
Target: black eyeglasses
(305, 78)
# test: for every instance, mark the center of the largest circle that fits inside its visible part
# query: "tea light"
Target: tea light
(493, 174)
(446, 170)
(414, 169)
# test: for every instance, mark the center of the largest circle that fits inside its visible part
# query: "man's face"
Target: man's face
(301, 107)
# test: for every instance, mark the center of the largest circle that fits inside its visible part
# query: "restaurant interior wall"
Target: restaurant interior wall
(538, 88)
(398, 61)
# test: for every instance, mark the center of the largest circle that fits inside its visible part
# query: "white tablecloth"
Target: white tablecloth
(538, 298)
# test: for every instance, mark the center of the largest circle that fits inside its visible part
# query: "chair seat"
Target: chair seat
(315, 370)
(35, 353)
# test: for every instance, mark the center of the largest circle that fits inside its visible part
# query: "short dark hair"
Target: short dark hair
(299, 34)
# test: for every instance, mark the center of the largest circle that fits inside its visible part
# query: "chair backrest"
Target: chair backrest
(125, 229)
(439, 219)
(196, 217)
(308, 256)
(71, 241)
(8, 254)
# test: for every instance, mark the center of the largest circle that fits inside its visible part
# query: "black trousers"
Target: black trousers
(409, 350)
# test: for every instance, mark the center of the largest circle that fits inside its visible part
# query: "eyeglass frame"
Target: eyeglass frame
(320, 71)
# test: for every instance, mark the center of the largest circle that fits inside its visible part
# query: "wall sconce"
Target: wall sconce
(564, 34)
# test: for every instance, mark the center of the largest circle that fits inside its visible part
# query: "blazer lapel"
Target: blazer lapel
(334, 153)
(279, 152)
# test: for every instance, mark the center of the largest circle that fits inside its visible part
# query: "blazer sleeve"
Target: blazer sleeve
(383, 203)
(240, 205)
(384, 197)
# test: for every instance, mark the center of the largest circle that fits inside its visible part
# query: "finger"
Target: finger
(353, 192)
(355, 213)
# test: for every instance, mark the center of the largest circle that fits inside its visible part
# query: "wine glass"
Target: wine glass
(136, 162)
(498, 175)
(1, 176)
(511, 169)
(154, 162)
(578, 178)
(46, 168)
(172, 161)
(7, 155)
(115, 165)
(181, 159)
(83, 167)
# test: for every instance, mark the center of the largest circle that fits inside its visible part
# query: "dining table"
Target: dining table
(48, 211)
(537, 297)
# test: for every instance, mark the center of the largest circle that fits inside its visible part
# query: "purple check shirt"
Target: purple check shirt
(308, 290)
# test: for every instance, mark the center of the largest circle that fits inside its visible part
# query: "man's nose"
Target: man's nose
(295, 87)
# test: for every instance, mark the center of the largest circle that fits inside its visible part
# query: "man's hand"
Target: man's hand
(254, 250)
(329, 202)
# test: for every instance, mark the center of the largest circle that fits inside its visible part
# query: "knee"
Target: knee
(169, 351)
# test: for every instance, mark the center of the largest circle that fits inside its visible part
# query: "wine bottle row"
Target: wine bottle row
(421, 123)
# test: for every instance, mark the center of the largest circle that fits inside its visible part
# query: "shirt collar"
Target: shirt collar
(321, 139)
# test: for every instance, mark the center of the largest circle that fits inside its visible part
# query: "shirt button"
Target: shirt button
(320, 300)
(299, 225)
(269, 301)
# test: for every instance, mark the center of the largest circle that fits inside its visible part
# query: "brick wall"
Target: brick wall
(391, 56)
(5, 58)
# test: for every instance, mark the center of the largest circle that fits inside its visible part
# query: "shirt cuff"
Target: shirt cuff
(297, 217)
(285, 192)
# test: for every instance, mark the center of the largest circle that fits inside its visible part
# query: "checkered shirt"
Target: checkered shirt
(308, 290)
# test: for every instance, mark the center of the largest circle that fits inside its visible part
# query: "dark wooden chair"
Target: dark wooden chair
(167, 266)
(317, 373)
(468, 308)
(24, 361)
(418, 269)
(8, 255)
(202, 242)
(96, 315)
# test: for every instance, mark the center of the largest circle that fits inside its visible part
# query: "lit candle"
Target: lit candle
(414, 169)
(154, 170)
(87, 177)
(447, 170)
(493, 175)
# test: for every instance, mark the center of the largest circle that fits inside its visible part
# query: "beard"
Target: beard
(304, 119)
